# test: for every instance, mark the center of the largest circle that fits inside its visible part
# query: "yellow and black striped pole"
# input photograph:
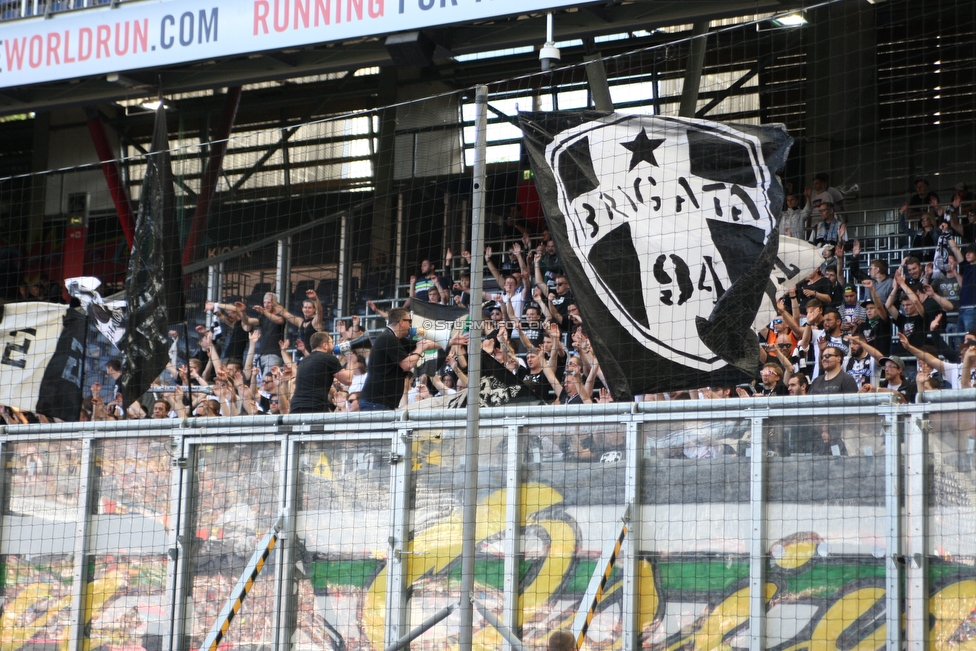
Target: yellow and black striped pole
(239, 593)
(601, 574)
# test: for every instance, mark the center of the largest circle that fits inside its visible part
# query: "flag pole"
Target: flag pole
(470, 502)
(188, 399)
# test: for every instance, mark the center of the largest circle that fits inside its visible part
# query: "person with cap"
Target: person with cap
(852, 313)
(315, 376)
(894, 380)
(391, 362)
(832, 379)
(943, 251)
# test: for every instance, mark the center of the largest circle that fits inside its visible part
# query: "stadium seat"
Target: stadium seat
(295, 303)
(327, 290)
(256, 297)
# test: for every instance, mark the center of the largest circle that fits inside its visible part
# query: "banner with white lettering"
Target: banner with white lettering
(666, 228)
(137, 35)
(29, 334)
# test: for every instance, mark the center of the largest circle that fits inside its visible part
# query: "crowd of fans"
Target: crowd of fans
(841, 330)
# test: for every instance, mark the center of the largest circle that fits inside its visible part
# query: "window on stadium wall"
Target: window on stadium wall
(925, 66)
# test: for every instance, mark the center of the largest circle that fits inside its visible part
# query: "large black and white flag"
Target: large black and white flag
(153, 288)
(43, 358)
(666, 228)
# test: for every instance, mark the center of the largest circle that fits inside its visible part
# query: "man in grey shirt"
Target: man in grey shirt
(832, 378)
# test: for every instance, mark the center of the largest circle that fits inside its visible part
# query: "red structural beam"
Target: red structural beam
(110, 168)
(208, 186)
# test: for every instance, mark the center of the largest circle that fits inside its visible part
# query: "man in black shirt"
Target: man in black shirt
(539, 378)
(816, 286)
(391, 363)
(272, 326)
(912, 322)
(877, 329)
(772, 381)
(315, 376)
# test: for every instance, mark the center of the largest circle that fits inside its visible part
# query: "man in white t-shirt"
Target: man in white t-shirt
(952, 373)
(822, 192)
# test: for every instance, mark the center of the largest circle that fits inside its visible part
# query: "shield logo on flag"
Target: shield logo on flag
(667, 229)
(648, 203)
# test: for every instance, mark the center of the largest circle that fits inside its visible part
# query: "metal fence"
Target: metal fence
(782, 523)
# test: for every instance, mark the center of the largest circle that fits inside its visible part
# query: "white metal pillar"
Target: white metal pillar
(757, 538)
(397, 579)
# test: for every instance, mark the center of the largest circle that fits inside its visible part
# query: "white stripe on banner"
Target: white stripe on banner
(136, 35)
(28, 334)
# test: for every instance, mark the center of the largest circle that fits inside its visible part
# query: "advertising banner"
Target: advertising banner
(150, 34)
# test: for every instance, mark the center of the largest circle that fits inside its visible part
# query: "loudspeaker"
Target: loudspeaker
(359, 343)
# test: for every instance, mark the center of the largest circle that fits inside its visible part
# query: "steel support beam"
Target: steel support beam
(110, 168)
(596, 78)
(208, 184)
(470, 501)
(693, 71)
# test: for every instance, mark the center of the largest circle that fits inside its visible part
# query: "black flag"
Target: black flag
(60, 391)
(500, 387)
(666, 229)
(153, 291)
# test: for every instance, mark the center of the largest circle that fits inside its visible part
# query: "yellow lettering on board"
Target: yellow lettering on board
(951, 606)
(843, 614)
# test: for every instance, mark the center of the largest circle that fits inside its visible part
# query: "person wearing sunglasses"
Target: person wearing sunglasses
(391, 361)
(832, 378)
